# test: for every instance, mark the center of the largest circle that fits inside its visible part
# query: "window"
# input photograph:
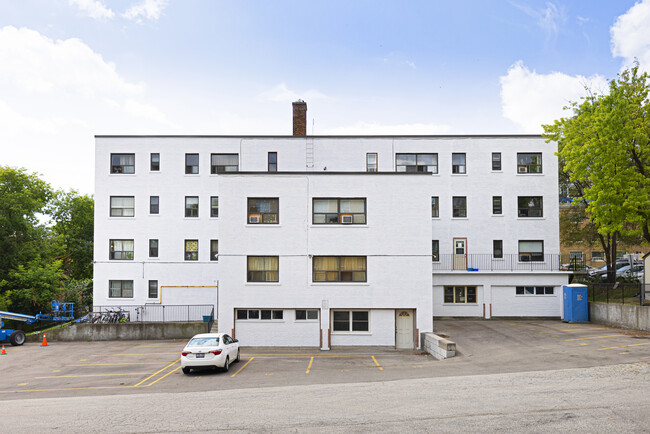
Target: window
(214, 206)
(153, 289)
(496, 205)
(529, 163)
(459, 205)
(122, 206)
(306, 314)
(259, 314)
(435, 212)
(531, 251)
(191, 206)
(154, 204)
(224, 163)
(371, 162)
(155, 163)
(263, 268)
(597, 256)
(191, 250)
(529, 206)
(350, 321)
(339, 269)
(496, 161)
(460, 294)
(273, 162)
(153, 248)
(497, 249)
(416, 163)
(458, 163)
(121, 250)
(123, 163)
(192, 164)
(214, 250)
(263, 210)
(575, 256)
(534, 290)
(339, 211)
(435, 250)
(120, 288)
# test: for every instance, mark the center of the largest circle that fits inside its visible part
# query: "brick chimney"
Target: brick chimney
(299, 118)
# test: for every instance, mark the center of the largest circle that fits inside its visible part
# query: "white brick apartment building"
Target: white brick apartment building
(325, 241)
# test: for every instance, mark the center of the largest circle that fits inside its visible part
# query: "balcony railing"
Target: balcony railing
(487, 262)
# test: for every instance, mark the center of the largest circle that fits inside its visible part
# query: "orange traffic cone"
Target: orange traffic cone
(3, 350)
(44, 341)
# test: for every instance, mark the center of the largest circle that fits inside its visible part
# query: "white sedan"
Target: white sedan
(210, 349)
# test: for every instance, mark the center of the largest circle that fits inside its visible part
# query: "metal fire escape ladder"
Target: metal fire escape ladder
(309, 154)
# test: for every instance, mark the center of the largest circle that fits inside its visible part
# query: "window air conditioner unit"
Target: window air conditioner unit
(346, 219)
(254, 218)
(524, 258)
(522, 169)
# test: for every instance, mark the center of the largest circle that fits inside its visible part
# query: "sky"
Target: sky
(73, 69)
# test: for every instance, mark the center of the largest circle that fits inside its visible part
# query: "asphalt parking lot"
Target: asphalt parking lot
(484, 347)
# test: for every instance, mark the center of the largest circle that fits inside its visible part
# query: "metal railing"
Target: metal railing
(619, 293)
(155, 313)
(487, 262)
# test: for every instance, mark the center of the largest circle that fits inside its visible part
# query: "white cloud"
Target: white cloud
(94, 8)
(379, 129)
(54, 96)
(549, 18)
(411, 64)
(530, 99)
(147, 9)
(630, 35)
(281, 93)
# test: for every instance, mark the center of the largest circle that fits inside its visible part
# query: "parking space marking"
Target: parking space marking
(577, 330)
(594, 337)
(309, 366)
(23, 384)
(65, 388)
(97, 375)
(584, 344)
(181, 345)
(114, 364)
(158, 379)
(623, 346)
(377, 363)
(245, 364)
(158, 372)
(133, 354)
(624, 353)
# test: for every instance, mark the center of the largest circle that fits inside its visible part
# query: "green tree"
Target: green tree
(605, 150)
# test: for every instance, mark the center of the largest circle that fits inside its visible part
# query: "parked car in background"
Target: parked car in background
(599, 272)
(631, 273)
(576, 267)
(216, 350)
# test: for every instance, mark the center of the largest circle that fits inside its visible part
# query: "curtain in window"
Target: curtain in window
(353, 263)
(325, 206)
(225, 160)
(531, 247)
(353, 205)
(262, 263)
(191, 245)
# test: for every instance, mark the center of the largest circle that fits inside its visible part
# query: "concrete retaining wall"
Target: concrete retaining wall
(620, 315)
(123, 331)
(438, 347)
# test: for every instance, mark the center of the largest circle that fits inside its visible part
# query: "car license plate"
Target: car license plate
(200, 355)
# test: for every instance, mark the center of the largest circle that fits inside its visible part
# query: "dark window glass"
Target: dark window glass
(153, 248)
(339, 268)
(221, 163)
(273, 162)
(497, 249)
(192, 164)
(339, 211)
(214, 250)
(416, 163)
(120, 288)
(496, 205)
(360, 321)
(531, 251)
(530, 206)
(155, 162)
(123, 163)
(341, 321)
(371, 162)
(458, 163)
(459, 204)
(263, 210)
(435, 250)
(191, 250)
(242, 314)
(496, 161)
(529, 163)
(214, 206)
(121, 250)
(153, 289)
(435, 211)
(191, 206)
(154, 204)
(263, 269)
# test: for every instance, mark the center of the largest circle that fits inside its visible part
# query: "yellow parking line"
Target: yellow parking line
(377, 363)
(115, 364)
(593, 337)
(156, 373)
(309, 367)
(577, 330)
(65, 388)
(245, 364)
(158, 379)
(623, 346)
(645, 357)
(316, 356)
(180, 344)
(96, 375)
(133, 354)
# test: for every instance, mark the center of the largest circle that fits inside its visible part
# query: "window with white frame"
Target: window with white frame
(154, 204)
(435, 207)
(339, 211)
(263, 269)
(153, 289)
(339, 269)
(192, 164)
(273, 162)
(155, 162)
(191, 206)
(191, 250)
(460, 295)
(350, 321)
(534, 290)
(221, 163)
(122, 206)
(214, 206)
(263, 210)
(214, 250)
(371, 162)
(597, 256)
(153, 248)
(530, 206)
(458, 163)
(306, 314)
(497, 249)
(496, 161)
(120, 288)
(459, 206)
(497, 208)
(123, 163)
(435, 250)
(529, 162)
(416, 163)
(575, 256)
(259, 314)
(531, 251)
(121, 250)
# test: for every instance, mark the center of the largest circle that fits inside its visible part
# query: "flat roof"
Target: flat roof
(459, 136)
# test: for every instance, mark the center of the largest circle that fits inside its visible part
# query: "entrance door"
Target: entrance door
(460, 253)
(404, 329)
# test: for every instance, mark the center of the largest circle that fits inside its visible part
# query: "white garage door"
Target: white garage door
(278, 327)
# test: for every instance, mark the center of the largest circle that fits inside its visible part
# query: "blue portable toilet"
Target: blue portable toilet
(576, 306)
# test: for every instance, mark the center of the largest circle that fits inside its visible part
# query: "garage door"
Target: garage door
(278, 327)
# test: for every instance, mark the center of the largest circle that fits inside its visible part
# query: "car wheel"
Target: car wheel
(226, 364)
(186, 370)
(17, 337)
(237, 359)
